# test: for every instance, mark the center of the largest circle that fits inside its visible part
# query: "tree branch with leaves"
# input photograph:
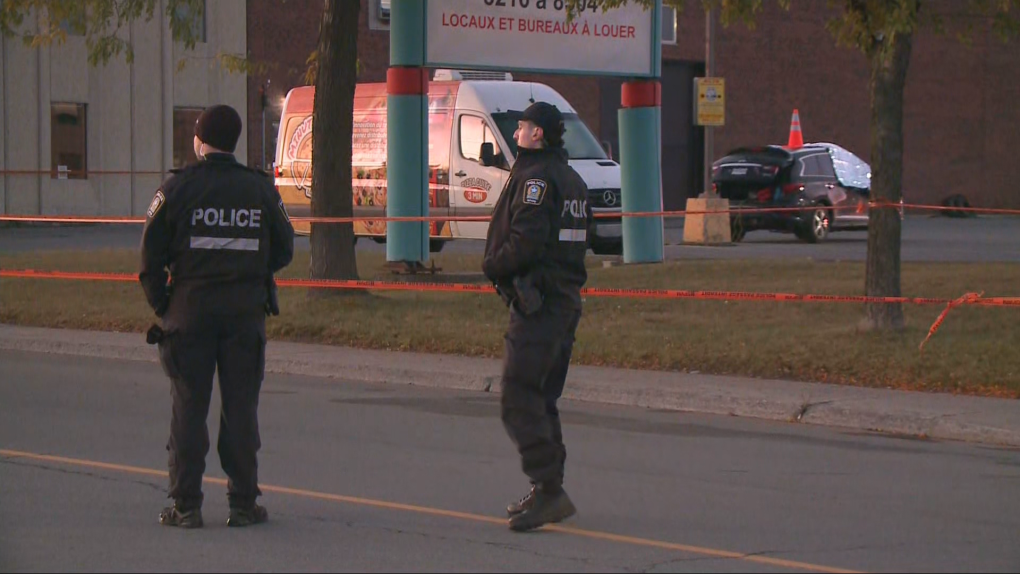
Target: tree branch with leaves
(101, 22)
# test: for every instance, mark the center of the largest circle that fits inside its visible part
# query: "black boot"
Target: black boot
(247, 515)
(181, 516)
(515, 508)
(549, 505)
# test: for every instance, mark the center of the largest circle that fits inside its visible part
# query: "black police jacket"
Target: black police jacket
(221, 230)
(541, 225)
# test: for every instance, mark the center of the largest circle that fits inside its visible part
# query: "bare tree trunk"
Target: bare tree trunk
(888, 77)
(333, 244)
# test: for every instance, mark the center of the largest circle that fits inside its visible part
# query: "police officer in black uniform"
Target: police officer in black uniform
(218, 231)
(534, 254)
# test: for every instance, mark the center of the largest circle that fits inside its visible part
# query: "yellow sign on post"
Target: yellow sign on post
(710, 101)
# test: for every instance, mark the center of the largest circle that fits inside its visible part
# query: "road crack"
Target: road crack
(117, 479)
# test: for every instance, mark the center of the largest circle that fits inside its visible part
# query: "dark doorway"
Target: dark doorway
(683, 147)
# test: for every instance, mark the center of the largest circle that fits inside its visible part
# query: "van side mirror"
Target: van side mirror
(488, 154)
(608, 146)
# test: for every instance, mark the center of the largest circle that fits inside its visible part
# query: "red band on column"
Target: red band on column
(407, 81)
(641, 94)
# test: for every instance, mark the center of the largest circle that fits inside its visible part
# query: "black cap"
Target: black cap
(220, 127)
(549, 118)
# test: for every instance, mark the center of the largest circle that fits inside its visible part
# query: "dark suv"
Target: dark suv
(825, 177)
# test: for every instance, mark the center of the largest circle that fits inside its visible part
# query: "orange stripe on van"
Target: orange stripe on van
(407, 81)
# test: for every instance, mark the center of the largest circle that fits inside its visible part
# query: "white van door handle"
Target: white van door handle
(460, 173)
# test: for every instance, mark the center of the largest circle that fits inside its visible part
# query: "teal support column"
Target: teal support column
(641, 171)
(407, 134)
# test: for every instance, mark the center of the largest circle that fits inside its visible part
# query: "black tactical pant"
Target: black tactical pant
(537, 357)
(191, 354)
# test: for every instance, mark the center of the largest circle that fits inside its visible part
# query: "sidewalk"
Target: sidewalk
(935, 416)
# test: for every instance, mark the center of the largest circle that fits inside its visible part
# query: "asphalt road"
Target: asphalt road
(394, 478)
(925, 238)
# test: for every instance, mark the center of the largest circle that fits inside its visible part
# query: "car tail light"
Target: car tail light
(792, 188)
(765, 195)
(278, 170)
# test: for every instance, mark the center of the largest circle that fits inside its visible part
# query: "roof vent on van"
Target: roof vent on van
(442, 75)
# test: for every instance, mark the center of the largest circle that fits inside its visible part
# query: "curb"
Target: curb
(914, 414)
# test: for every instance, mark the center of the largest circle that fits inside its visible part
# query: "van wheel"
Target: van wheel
(436, 245)
(608, 248)
(380, 239)
(816, 228)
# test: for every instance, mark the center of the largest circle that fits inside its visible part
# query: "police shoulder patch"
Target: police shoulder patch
(157, 202)
(534, 191)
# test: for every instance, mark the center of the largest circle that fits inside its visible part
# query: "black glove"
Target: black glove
(529, 298)
(272, 300)
(165, 303)
(154, 335)
(506, 292)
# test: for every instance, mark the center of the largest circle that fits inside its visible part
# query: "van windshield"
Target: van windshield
(578, 139)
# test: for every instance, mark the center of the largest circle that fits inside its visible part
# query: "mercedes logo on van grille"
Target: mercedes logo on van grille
(609, 197)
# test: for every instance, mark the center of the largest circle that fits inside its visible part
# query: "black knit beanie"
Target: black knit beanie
(220, 127)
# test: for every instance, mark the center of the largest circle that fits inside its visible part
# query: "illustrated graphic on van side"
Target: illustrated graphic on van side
(470, 153)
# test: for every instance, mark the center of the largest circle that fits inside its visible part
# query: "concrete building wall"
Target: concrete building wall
(128, 117)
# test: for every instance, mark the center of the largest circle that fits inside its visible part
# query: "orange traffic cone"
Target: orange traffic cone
(796, 137)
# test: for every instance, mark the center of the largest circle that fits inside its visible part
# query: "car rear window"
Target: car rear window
(815, 165)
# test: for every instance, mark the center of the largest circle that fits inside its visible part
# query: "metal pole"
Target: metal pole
(709, 72)
(640, 122)
(407, 134)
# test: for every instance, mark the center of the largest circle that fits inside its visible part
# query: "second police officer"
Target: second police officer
(534, 254)
(220, 231)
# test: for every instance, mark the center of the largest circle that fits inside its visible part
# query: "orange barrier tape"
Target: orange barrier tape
(588, 291)
(484, 218)
(72, 275)
(408, 219)
(985, 210)
(69, 219)
(968, 299)
(873, 204)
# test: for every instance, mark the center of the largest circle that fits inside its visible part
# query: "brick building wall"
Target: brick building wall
(960, 112)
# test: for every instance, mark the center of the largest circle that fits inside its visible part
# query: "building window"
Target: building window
(68, 141)
(668, 25)
(184, 135)
(379, 14)
(185, 14)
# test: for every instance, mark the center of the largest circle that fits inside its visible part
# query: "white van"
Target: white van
(471, 151)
